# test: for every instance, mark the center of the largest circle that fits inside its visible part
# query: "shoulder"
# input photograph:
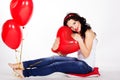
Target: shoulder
(90, 33)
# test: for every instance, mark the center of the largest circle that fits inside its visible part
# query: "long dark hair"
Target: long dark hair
(84, 26)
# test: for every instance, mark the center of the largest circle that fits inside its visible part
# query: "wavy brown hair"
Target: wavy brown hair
(84, 26)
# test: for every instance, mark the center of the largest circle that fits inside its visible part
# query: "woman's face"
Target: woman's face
(74, 25)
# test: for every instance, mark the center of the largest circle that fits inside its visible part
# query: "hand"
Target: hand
(61, 54)
(77, 37)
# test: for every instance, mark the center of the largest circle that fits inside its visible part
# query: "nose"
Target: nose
(74, 27)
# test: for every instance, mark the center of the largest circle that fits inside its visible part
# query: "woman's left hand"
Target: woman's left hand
(77, 37)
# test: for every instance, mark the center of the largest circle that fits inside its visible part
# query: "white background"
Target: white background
(47, 17)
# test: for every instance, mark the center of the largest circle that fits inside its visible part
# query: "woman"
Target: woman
(86, 38)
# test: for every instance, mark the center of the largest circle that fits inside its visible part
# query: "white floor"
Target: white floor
(7, 74)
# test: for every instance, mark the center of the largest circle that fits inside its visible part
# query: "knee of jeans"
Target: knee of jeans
(52, 58)
(81, 63)
(55, 57)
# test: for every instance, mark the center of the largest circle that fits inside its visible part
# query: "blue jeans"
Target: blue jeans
(46, 66)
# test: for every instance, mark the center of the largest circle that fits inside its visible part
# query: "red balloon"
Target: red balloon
(11, 34)
(21, 10)
(67, 43)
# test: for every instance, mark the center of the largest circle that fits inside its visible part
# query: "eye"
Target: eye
(74, 23)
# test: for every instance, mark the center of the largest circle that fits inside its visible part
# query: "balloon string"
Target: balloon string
(17, 60)
(16, 57)
(21, 51)
(20, 56)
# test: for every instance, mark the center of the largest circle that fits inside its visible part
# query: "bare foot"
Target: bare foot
(16, 66)
(19, 73)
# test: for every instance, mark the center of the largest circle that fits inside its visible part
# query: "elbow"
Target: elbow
(86, 55)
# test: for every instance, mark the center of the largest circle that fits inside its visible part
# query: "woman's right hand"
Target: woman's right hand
(56, 43)
(60, 54)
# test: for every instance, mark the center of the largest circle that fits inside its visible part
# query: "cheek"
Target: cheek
(72, 29)
(80, 27)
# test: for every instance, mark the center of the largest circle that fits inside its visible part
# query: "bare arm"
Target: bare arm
(56, 46)
(86, 44)
(56, 43)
